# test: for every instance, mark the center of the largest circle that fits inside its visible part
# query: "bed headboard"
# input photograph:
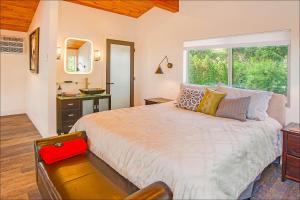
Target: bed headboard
(276, 108)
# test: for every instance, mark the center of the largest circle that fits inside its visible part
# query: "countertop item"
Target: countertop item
(92, 91)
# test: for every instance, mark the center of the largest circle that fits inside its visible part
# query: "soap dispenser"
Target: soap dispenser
(59, 90)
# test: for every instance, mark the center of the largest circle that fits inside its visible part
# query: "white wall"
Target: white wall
(40, 89)
(162, 33)
(95, 25)
(13, 79)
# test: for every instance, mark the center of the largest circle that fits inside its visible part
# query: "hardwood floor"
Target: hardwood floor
(17, 158)
(18, 173)
(270, 186)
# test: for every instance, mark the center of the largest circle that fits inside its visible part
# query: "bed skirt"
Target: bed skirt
(247, 194)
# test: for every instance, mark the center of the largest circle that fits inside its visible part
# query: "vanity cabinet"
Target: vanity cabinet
(68, 112)
(70, 109)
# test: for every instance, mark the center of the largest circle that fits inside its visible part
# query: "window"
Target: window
(257, 61)
(207, 66)
(263, 68)
(71, 63)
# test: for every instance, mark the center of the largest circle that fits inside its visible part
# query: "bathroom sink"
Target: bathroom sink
(92, 90)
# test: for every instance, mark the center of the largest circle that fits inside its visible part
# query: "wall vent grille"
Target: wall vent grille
(11, 45)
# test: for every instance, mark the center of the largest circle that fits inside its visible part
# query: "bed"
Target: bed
(198, 156)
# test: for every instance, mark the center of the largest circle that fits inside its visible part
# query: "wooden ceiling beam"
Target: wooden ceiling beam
(170, 5)
(131, 8)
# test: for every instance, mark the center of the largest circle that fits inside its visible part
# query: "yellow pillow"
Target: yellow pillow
(210, 102)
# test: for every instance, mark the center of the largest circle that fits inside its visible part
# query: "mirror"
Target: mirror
(78, 56)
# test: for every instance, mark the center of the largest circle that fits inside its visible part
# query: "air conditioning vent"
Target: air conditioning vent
(13, 45)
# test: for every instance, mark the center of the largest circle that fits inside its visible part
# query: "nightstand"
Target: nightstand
(156, 100)
(291, 152)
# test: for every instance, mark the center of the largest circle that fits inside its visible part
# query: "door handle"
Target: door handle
(110, 83)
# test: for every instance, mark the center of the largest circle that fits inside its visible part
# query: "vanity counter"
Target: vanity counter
(85, 97)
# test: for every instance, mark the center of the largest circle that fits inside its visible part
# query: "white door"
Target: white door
(120, 76)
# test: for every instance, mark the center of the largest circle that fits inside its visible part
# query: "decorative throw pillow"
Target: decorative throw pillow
(184, 86)
(234, 108)
(53, 153)
(210, 102)
(258, 106)
(189, 98)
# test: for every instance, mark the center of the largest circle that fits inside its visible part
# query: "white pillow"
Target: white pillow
(259, 101)
(233, 93)
(258, 106)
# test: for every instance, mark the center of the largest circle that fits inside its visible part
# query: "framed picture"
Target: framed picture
(34, 51)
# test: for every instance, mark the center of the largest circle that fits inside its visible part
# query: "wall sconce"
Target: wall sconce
(159, 69)
(97, 55)
(58, 53)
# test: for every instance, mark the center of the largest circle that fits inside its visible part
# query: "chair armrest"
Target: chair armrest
(38, 144)
(155, 191)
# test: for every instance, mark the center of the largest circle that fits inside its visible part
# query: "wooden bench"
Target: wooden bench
(87, 177)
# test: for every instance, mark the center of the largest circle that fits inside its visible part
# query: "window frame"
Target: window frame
(230, 64)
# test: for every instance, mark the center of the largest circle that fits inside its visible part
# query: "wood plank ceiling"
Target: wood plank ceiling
(132, 8)
(16, 15)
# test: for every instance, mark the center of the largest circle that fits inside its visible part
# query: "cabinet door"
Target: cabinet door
(103, 104)
(87, 107)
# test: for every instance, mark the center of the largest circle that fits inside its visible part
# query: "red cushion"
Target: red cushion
(51, 154)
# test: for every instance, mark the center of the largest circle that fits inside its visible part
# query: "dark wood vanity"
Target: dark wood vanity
(69, 109)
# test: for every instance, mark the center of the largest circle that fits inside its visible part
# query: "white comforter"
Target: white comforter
(196, 155)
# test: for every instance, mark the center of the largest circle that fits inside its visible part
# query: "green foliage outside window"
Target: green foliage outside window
(207, 67)
(263, 68)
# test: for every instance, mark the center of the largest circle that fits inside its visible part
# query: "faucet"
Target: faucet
(86, 83)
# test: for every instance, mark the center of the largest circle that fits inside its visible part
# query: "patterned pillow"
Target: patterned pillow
(184, 86)
(210, 102)
(189, 98)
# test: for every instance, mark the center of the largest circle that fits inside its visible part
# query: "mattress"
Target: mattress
(198, 156)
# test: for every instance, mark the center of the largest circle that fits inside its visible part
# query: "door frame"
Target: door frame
(109, 42)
